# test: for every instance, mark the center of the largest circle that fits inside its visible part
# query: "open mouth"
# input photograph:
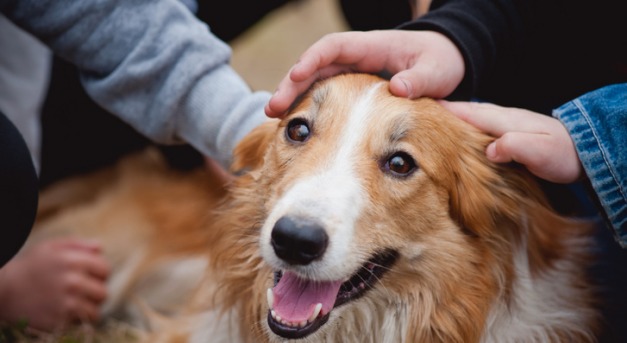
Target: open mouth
(299, 307)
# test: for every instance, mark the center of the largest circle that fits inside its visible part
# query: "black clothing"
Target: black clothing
(18, 190)
(534, 54)
(366, 15)
(228, 20)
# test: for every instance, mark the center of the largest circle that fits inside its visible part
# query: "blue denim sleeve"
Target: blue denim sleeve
(597, 123)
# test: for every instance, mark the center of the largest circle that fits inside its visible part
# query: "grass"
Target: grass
(112, 332)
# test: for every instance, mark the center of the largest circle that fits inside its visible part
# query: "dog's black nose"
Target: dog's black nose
(298, 241)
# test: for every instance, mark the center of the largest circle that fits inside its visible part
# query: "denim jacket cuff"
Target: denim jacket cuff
(597, 123)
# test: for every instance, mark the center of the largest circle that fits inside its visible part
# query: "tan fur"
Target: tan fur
(458, 224)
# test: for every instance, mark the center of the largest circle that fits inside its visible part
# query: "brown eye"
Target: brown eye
(400, 164)
(297, 130)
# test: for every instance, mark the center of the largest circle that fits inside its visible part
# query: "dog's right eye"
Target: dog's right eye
(297, 130)
(400, 164)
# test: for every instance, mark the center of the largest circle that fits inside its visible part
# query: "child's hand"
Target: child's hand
(422, 62)
(539, 142)
(54, 283)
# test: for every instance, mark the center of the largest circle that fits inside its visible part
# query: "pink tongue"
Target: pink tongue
(295, 298)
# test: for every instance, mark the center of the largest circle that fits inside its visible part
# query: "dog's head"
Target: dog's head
(374, 203)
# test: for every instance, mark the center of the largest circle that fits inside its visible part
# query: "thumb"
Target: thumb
(524, 148)
(422, 80)
(410, 83)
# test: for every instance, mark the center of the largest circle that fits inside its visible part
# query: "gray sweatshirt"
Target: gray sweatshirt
(153, 64)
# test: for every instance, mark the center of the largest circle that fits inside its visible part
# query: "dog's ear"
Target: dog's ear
(486, 194)
(482, 193)
(496, 201)
(473, 182)
(475, 194)
(250, 152)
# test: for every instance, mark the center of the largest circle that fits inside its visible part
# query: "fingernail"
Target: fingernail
(490, 151)
(294, 67)
(270, 112)
(408, 87)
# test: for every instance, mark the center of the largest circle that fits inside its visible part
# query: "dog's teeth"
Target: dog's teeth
(285, 322)
(316, 312)
(270, 297)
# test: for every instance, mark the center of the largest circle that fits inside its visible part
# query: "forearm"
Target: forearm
(153, 64)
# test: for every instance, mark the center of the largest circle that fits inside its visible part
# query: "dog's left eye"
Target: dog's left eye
(297, 130)
(400, 164)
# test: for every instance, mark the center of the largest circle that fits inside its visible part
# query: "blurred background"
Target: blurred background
(264, 53)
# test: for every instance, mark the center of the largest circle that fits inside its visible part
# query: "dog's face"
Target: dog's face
(363, 212)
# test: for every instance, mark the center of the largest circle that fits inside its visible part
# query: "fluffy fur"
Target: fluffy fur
(450, 247)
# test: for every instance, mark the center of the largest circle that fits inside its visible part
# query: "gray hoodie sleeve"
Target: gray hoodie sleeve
(153, 64)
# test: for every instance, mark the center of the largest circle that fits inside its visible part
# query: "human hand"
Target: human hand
(423, 63)
(539, 142)
(54, 283)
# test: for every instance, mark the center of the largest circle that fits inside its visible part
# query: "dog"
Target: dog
(359, 217)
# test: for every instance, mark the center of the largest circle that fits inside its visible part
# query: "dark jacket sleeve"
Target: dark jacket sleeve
(481, 29)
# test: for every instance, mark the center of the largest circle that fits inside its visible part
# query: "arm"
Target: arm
(153, 64)
(597, 123)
